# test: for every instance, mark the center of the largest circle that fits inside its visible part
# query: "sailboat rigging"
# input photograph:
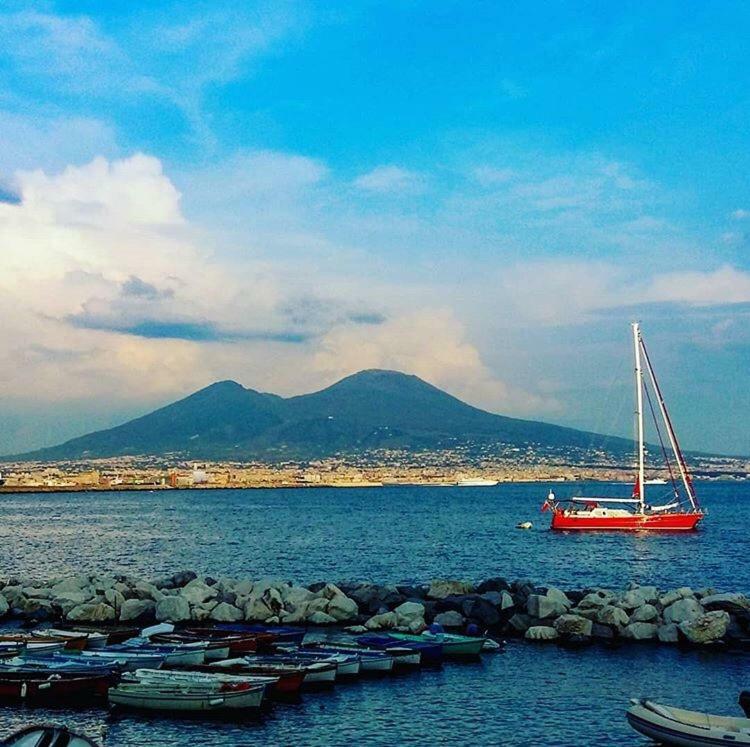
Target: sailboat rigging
(634, 513)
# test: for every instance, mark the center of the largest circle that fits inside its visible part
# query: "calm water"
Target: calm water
(525, 696)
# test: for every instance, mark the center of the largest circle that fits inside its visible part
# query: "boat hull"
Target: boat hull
(54, 688)
(156, 699)
(670, 731)
(664, 522)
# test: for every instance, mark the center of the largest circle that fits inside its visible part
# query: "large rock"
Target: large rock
(732, 603)
(144, 590)
(481, 610)
(386, 621)
(521, 622)
(71, 598)
(341, 608)
(408, 613)
(551, 604)
(541, 633)
(684, 592)
(683, 610)
(137, 609)
(668, 633)
(172, 609)
(640, 631)
(638, 596)
(596, 599)
(371, 597)
(69, 584)
(99, 612)
(320, 618)
(611, 615)
(567, 625)
(224, 612)
(294, 595)
(450, 619)
(441, 588)
(707, 628)
(645, 613)
(197, 592)
(114, 599)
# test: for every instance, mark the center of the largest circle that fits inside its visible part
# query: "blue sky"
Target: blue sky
(483, 194)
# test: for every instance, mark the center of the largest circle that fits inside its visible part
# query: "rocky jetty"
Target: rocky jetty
(510, 609)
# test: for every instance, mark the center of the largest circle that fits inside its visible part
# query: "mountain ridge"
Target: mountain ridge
(369, 410)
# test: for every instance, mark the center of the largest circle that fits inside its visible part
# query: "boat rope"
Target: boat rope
(661, 443)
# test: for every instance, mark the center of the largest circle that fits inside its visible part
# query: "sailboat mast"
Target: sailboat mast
(639, 414)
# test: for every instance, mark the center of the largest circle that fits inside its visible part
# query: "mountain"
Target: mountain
(366, 411)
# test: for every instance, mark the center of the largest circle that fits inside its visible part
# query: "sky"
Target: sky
(283, 193)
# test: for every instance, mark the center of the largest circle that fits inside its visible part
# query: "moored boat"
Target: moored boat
(680, 513)
(74, 639)
(316, 673)
(154, 696)
(53, 687)
(31, 644)
(215, 650)
(281, 633)
(114, 633)
(676, 726)
(430, 654)
(347, 664)
(370, 660)
(453, 645)
(47, 735)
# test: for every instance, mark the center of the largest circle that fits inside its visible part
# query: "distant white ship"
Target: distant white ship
(655, 481)
(476, 482)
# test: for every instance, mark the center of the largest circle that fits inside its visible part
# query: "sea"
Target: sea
(525, 695)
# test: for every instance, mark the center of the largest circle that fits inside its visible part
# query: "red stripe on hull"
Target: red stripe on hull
(687, 522)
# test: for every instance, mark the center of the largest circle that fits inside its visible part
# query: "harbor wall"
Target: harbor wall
(522, 609)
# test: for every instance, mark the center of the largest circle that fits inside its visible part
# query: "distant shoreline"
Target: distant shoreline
(10, 490)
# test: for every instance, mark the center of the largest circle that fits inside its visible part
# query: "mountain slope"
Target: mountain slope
(369, 410)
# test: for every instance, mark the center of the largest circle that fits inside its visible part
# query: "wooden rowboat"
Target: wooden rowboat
(187, 697)
(49, 687)
(453, 645)
(677, 726)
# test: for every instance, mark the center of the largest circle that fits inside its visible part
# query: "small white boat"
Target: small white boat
(676, 726)
(47, 735)
(127, 660)
(187, 696)
(476, 482)
(87, 640)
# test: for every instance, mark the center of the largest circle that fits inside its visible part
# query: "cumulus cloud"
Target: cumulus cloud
(390, 180)
(741, 214)
(430, 343)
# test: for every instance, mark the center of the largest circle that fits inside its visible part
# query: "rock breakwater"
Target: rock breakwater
(520, 609)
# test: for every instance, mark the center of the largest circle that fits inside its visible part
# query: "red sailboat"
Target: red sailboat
(680, 514)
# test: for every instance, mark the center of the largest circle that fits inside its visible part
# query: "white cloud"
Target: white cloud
(390, 180)
(741, 214)
(430, 343)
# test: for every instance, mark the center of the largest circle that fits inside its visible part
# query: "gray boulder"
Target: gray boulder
(732, 603)
(596, 599)
(224, 612)
(99, 612)
(341, 608)
(567, 625)
(441, 588)
(551, 604)
(640, 631)
(450, 619)
(320, 618)
(385, 621)
(172, 609)
(683, 610)
(520, 622)
(668, 633)
(707, 628)
(197, 592)
(611, 615)
(541, 633)
(638, 596)
(645, 613)
(410, 613)
(4, 606)
(484, 612)
(673, 596)
(137, 609)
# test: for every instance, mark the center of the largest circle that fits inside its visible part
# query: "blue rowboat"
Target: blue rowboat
(431, 653)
